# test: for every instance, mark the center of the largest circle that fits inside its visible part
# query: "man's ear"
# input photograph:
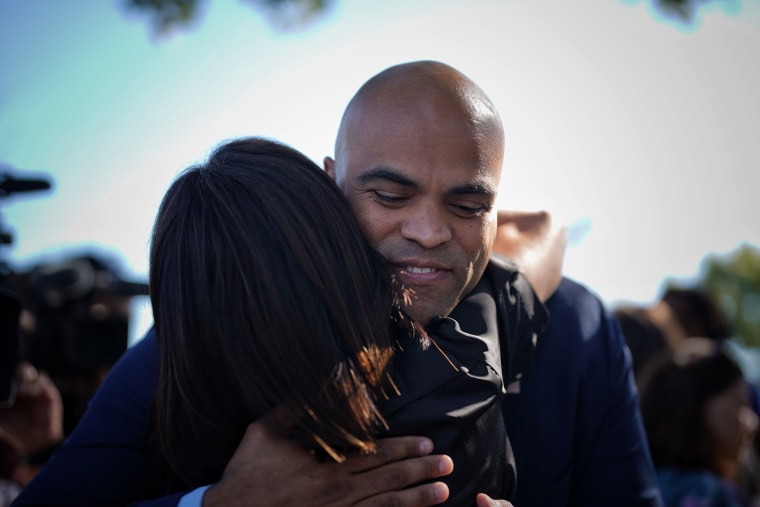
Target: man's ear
(329, 164)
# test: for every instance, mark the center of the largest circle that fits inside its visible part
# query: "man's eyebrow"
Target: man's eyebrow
(387, 174)
(473, 188)
(391, 175)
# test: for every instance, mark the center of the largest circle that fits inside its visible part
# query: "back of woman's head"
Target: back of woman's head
(674, 399)
(265, 295)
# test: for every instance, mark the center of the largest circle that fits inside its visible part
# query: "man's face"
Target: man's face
(422, 183)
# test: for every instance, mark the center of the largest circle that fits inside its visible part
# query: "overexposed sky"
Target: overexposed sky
(643, 136)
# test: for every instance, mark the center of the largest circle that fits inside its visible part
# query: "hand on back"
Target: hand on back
(274, 471)
(536, 244)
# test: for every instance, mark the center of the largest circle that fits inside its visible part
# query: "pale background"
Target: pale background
(642, 135)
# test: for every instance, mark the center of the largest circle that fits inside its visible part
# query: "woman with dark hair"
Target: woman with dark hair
(265, 295)
(269, 305)
(695, 407)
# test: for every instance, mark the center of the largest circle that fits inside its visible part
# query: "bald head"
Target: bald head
(422, 93)
(418, 156)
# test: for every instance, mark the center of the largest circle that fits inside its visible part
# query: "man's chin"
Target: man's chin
(425, 314)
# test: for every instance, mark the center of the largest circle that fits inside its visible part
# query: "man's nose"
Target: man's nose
(427, 227)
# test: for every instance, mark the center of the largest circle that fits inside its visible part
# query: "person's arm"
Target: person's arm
(103, 462)
(536, 244)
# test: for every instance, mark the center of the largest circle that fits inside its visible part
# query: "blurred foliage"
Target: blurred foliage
(686, 12)
(733, 282)
(166, 16)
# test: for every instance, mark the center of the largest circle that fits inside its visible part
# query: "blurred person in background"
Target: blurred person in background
(695, 403)
(31, 428)
(31, 409)
(649, 332)
(697, 313)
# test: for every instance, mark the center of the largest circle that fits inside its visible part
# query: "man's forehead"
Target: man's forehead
(414, 101)
(420, 111)
(415, 118)
(417, 106)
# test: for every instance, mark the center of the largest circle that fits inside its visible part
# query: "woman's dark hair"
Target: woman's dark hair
(674, 399)
(265, 296)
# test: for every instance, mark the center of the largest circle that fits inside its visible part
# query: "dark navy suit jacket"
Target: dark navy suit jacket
(574, 425)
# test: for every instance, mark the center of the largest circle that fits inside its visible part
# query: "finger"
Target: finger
(419, 496)
(388, 451)
(388, 481)
(483, 500)
(26, 372)
(36, 384)
(28, 379)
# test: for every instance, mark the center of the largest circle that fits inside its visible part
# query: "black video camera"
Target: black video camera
(10, 312)
(10, 303)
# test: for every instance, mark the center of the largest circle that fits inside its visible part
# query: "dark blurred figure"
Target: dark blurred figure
(10, 459)
(75, 324)
(683, 312)
(700, 427)
(62, 327)
(10, 342)
(697, 313)
(648, 332)
(30, 429)
(31, 411)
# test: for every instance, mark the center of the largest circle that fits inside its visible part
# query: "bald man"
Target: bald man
(419, 156)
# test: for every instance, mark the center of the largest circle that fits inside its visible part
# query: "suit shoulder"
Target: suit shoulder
(574, 300)
(579, 315)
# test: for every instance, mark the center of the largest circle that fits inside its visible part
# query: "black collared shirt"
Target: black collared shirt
(451, 390)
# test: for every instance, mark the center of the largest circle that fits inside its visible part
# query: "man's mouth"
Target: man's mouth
(418, 270)
(416, 274)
